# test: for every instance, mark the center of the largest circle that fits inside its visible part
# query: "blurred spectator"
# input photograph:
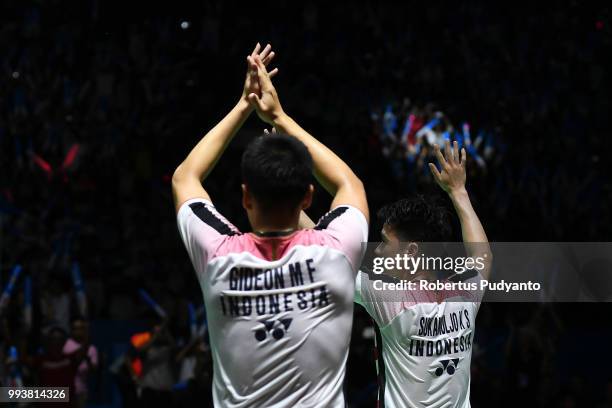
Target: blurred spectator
(195, 377)
(79, 337)
(155, 377)
(54, 367)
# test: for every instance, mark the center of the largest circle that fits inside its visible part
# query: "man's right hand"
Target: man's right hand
(452, 180)
(452, 177)
(267, 105)
(251, 83)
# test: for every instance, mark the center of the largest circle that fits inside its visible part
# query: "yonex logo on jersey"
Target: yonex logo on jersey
(448, 366)
(277, 328)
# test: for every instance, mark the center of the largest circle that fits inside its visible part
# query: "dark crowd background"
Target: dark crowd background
(100, 100)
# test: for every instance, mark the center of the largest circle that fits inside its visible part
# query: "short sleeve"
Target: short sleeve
(202, 230)
(349, 228)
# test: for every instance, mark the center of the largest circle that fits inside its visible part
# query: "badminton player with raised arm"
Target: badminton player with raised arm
(279, 299)
(425, 337)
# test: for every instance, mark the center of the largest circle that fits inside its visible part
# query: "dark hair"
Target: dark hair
(418, 219)
(277, 170)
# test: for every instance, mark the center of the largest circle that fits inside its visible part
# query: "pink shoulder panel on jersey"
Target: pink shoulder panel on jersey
(206, 232)
(343, 229)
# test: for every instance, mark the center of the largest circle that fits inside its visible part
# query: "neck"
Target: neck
(278, 223)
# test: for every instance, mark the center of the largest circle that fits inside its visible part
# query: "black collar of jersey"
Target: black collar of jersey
(274, 234)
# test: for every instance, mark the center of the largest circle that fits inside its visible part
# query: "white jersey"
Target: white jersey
(427, 340)
(279, 309)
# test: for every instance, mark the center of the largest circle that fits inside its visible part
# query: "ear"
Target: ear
(413, 249)
(247, 200)
(307, 200)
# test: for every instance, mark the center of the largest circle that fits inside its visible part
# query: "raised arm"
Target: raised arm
(188, 176)
(333, 174)
(452, 180)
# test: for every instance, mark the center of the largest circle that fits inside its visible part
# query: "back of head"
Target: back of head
(417, 219)
(277, 170)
